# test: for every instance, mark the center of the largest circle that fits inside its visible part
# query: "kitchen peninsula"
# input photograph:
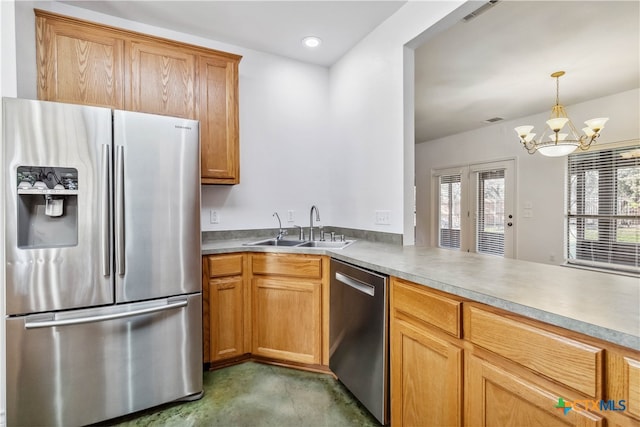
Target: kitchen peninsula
(531, 331)
(601, 305)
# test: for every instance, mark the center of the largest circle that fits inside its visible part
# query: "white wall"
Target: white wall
(541, 180)
(372, 142)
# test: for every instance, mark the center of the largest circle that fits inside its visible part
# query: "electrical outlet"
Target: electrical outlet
(214, 217)
(291, 216)
(383, 217)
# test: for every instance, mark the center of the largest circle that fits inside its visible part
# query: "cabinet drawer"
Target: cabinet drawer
(432, 308)
(287, 265)
(564, 360)
(225, 265)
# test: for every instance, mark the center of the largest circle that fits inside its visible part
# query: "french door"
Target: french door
(475, 208)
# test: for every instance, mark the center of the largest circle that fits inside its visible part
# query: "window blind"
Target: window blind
(490, 213)
(603, 209)
(449, 205)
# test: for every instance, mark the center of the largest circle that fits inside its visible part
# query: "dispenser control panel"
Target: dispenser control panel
(47, 206)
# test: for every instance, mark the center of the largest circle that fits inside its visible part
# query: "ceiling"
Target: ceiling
(495, 65)
(499, 63)
(276, 27)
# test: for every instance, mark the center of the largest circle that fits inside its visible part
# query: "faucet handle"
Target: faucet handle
(300, 232)
(281, 233)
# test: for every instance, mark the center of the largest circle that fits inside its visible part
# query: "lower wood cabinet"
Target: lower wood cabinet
(426, 374)
(495, 397)
(226, 307)
(266, 304)
(458, 362)
(287, 307)
(426, 361)
(286, 319)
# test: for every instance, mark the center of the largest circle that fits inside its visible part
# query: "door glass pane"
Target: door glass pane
(450, 192)
(490, 214)
(628, 205)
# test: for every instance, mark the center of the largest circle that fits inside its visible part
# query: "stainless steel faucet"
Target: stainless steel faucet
(281, 232)
(311, 237)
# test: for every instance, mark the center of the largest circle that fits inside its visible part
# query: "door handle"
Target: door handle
(105, 216)
(104, 317)
(356, 284)
(119, 210)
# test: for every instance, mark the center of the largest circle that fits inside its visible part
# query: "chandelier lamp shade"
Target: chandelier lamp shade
(561, 137)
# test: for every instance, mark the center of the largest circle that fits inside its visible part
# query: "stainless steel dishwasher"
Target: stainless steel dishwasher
(358, 335)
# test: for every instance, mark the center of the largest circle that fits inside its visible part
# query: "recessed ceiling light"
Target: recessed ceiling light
(311, 41)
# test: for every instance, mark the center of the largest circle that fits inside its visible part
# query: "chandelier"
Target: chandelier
(554, 143)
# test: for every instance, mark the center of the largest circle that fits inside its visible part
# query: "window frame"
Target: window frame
(468, 208)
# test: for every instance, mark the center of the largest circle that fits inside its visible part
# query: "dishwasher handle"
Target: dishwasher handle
(356, 284)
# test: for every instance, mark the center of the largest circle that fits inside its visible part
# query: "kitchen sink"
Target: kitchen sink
(275, 242)
(301, 243)
(326, 244)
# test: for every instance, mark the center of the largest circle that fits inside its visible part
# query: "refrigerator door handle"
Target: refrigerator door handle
(119, 209)
(106, 197)
(104, 317)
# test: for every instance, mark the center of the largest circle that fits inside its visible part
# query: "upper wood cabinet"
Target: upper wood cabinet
(162, 80)
(86, 63)
(77, 64)
(218, 102)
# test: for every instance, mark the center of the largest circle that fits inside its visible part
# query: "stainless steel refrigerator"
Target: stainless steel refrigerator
(103, 271)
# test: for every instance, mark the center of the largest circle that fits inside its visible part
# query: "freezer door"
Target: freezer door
(57, 259)
(157, 206)
(80, 367)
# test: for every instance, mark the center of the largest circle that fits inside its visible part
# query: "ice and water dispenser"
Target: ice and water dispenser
(47, 207)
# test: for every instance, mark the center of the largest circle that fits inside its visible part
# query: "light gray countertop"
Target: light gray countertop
(601, 305)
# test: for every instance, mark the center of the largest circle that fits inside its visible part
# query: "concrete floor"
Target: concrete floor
(254, 394)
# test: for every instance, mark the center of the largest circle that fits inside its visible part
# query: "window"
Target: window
(450, 197)
(603, 211)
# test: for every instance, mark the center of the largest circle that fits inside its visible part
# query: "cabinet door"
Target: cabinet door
(226, 301)
(426, 378)
(495, 397)
(162, 80)
(78, 66)
(218, 113)
(287, 319)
